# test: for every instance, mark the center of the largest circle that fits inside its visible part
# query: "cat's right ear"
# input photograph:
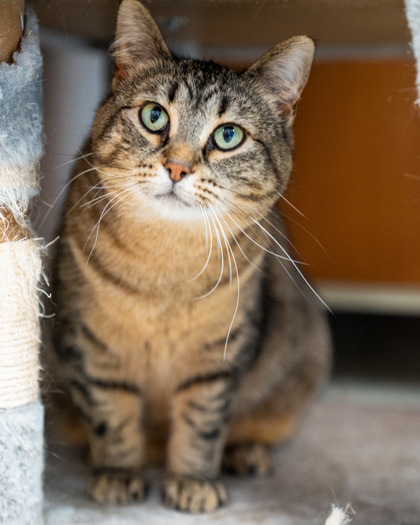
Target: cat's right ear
(137, 39)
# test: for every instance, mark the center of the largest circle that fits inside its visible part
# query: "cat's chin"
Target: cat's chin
(172, 199)
(174, 208)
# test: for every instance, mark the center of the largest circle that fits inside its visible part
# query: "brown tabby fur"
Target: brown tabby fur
(144, 357)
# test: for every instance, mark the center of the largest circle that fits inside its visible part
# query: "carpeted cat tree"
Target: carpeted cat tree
(21, 145)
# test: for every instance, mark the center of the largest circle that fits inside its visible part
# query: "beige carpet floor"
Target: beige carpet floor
(360, 445)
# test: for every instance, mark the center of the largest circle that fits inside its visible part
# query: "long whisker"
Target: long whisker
(74, 160)
(291, 261)
(254, 241)
(281, 196)
(310, 235)
(99, 198)
(239, 246)
(274, 212)
(279, 193)
(282, 234)
(235, 207)
(226, 244)
(220, 251)
(208, 234)
(229, 248)
(76, 204)
(107, 208)
(98, 168)
(232, 190)
(98, 187)
(290, 204)
(205, 224)
(65, 187)
(105, 196)
(279, 259)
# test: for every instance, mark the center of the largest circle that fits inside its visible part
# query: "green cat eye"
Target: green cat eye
(153, 117)
(228, 136)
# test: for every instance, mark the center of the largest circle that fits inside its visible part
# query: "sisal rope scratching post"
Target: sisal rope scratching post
(413, 18)
(21, 413)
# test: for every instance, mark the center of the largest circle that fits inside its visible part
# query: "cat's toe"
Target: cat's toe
(255, 459)
(116, 488)
(192, 495)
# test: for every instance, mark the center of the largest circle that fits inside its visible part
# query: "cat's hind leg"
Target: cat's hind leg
(249, 449)
(248, 459)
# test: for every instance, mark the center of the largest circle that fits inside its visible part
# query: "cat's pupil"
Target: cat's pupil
(155, 114)
(228, 133)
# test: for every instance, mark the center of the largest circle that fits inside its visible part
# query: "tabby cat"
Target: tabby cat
(181, 318)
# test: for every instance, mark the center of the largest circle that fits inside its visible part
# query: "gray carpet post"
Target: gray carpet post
(21, 413)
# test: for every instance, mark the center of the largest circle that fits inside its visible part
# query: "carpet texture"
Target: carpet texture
(21, 465)
(358, 446)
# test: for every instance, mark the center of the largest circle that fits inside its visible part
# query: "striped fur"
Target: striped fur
(181, 320)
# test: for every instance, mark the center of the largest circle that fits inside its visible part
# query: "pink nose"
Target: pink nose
(177, 170)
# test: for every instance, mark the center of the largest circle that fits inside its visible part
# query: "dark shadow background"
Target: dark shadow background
(381, 348)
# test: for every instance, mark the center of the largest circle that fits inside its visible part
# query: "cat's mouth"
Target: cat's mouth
(173, 198)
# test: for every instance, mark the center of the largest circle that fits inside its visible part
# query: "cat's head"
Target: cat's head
(178, 136)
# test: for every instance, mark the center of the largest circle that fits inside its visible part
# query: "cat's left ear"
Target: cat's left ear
(137, 38)
(284, 71)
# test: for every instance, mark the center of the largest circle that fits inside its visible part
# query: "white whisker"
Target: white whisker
(232, 205)
(229, 248)
(239, 246)
(107, 208)
(310, 235)
(290, 204)
(278, 257)
(105, 196)
(220, 251)
(281, 233)
(65, 187)
(98, 187)
(226, 244)
(73, 160)
(254, 241)
(208, 233)
(292, 262)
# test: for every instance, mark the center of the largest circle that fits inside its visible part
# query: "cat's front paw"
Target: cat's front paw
(116, 487)
(191, 495)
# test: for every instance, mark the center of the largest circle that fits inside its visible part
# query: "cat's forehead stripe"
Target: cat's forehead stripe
(190, 89)
(172, 91)
(213, 91)
(223, 106)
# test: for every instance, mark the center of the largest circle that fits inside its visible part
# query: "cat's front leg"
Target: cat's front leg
(112, 412)
(201, 409)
